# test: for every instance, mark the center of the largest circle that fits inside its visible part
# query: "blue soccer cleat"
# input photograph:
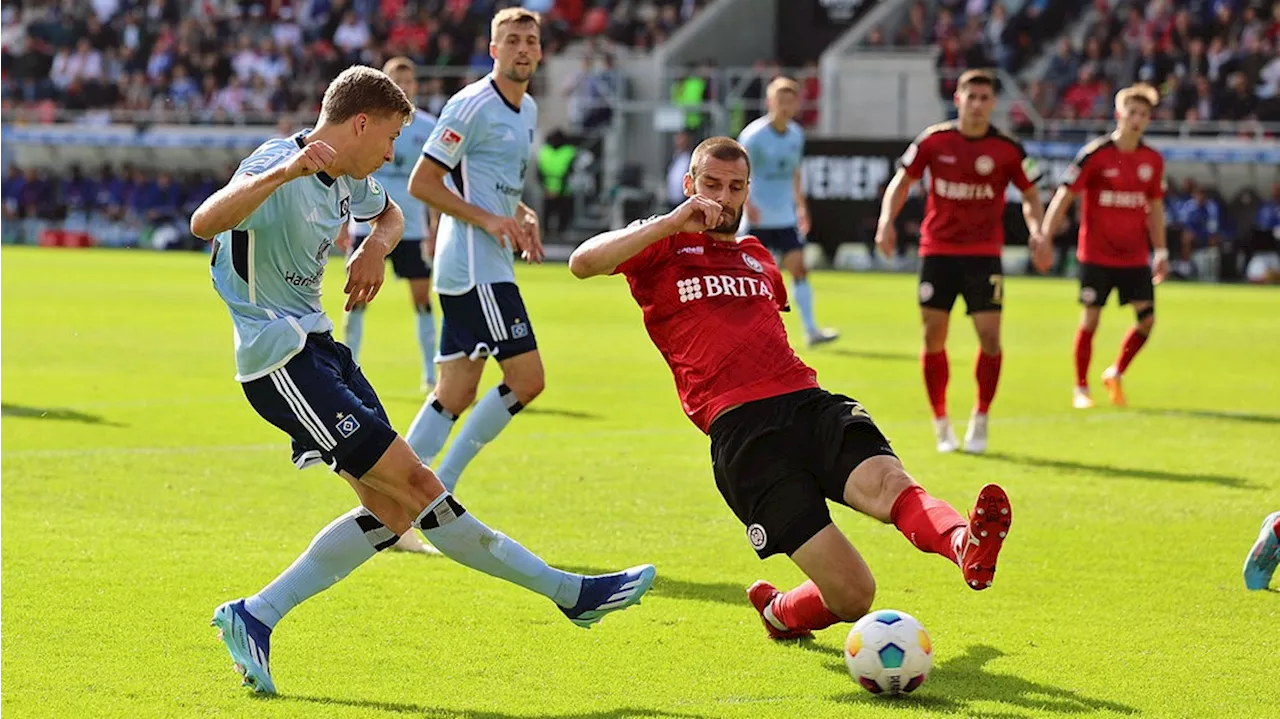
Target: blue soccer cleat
(249, 642)
(609, 593)
(1261, 563)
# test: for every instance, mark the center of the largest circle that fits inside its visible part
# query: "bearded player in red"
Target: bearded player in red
(970, 165)
(1122, 180)
(781, 446)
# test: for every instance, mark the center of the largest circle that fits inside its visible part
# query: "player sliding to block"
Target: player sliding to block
(1122, 180)
(273, 226)
(781, 446)
(970, 164)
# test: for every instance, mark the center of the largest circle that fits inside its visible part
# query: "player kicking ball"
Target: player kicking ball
(781, 446)
(1122, 180)
(273, 226)
(970, 165)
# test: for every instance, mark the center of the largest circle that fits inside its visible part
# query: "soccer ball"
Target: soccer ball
(888, 652)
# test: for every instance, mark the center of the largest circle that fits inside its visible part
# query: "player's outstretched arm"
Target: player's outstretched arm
(602, 254)
(228, 207)
(895, 196)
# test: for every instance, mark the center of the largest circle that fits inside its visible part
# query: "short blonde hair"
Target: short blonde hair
(398, 63)
(976, 77)
(1141, 92)
(513, 15)
(362, 89)
(782, 84)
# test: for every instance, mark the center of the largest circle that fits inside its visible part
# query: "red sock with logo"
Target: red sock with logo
(803, 608)
(988, 375)
(929, 523)
(1084, 353)
(936, 373)
(1132, 343)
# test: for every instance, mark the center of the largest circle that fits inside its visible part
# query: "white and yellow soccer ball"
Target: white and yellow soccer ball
(888, 652)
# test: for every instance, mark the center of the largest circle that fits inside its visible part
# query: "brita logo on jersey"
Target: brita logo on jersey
(963, 190)
(696, 288)
(1122, 199)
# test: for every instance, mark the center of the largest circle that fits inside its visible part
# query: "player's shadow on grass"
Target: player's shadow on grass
(959, 681)
(557, 412)
(1159, 475)
(435, 712)
(664, 586)
(61, 413)
(872, 355)
(1210, 414)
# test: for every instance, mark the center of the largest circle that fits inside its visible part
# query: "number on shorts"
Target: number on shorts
(997, 288)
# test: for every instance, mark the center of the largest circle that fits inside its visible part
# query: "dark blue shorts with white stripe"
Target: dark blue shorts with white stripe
(489, 320)
(322, 400)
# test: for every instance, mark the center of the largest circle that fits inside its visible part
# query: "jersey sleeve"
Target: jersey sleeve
(263, 159)
(1026, 171)
(917, 155)
(455, 131)
(646, 259)
(368, 199)
(1076, 176)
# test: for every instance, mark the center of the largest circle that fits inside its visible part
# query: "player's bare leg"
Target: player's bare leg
(1081, 398)
(420, 295)
(840, 588)
(1145, 313)
(793, 262)
(937, 372)
(458, 379)
(881, 488)
(522, 380)
(987, 372)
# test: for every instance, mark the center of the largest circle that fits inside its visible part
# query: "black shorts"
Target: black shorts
(487, 321)
(321, 399)
(778, 460)
(406, 259)
(979, 278)
(780, 240)
(1132, 284)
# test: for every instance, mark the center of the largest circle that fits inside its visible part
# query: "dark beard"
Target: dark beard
(728, 225)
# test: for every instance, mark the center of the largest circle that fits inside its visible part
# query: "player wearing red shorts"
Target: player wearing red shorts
(781, 446)
(970, 165)
(1122, 180)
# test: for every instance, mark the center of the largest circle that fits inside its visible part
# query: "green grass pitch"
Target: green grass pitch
(140, 491)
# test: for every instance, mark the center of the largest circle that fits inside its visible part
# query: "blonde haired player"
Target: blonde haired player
(1122, 181)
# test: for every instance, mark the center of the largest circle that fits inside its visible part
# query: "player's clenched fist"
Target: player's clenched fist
(697, 214)
(315, 157)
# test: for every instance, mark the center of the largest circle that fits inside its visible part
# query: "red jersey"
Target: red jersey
(711, 308)
(967, 181)
(1117, 189)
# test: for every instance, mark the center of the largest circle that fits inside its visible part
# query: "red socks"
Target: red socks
(1132, 343)
(803, 608)
(988, 375)
(1276, 528)
(1084, 353)
(936, 373)
(929, 523)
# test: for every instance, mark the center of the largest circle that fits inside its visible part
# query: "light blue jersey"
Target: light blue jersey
(394, 176)
(269, 268)
(485, 143)
(775, 157)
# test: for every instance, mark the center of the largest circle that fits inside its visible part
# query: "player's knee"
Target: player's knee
(989, 342)
(423, 486)
(455, 399)
(527, 388)
(851, 600)
(1146, 320)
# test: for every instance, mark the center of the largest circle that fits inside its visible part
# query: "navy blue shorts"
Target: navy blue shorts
(406, 259)
(487, 321)
(321, 399)
(780, 241)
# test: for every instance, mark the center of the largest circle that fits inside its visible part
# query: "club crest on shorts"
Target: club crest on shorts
(926, 291)
(1088, 295)
(752, 262)
(757, 536)
(347, 425)
(1145, 172)
(984, 164)
(519, 330)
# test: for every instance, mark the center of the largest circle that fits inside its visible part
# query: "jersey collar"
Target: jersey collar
(505, 101)
(301, 139)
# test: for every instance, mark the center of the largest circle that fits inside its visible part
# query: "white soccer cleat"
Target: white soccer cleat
(947, 442)
(412, 543)
(1080, 399)
(975, 437)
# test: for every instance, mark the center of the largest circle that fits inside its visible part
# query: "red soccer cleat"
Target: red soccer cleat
(988, 526)
(761, 595)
